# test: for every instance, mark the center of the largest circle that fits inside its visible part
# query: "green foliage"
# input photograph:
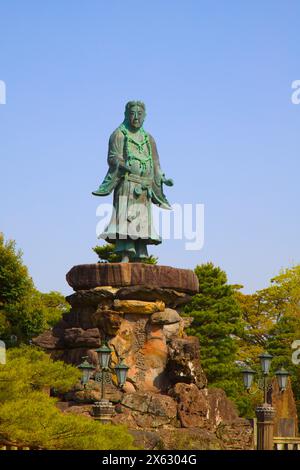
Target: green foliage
(33, 314)
(29, 416)
(106, 254)
(272, 322)
(14, 278)
(217, 322)
(24, 311)
(284, 298)
(26, 318)
(29, 368)
(257, 322)
(36, 422)
(55, 306)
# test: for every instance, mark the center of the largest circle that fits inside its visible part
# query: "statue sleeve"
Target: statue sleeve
(115, 161)
(115, 150)
(159, 177)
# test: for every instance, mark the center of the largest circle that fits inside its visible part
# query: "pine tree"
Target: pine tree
(106, 254)
(24, 311)
(30, 417)
(14, 277)
(217, 322)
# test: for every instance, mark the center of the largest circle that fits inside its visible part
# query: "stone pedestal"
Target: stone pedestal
(136, 309)
(103, 411)
(265, 424)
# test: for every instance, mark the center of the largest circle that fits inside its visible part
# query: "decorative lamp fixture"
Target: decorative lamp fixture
(248, 375)
(265, 360)
(121, 371)
(104, 356)
(282, 377)
(86, 368)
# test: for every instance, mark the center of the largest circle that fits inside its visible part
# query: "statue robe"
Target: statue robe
(136, 184)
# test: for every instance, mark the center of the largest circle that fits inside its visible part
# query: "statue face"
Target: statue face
(136, 117)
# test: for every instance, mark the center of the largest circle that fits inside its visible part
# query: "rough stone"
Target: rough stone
(74, 356)
(138, 306)
(193, 406)
(108, 321)
(80, 317)
(171, 331)
(93, 393)
(146, 439)
(148, 410)
(170, 297)
(145, 350)
(187, 439)
(165, 317)
(237, 435)
(58, 329)
(137, 401)
(149, 421)
(81, 410)
(221, 409)
(207, 408)
(48, 341)
(77, 337)
(89, 276)
(125, 417)
(163, 405)
(286, 419)
(91, 296)
(184, 362)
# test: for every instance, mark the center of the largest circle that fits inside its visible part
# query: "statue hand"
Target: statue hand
(168, 182)
(124, 168)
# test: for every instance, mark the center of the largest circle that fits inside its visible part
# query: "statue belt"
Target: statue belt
(142, 184)
(139, 179)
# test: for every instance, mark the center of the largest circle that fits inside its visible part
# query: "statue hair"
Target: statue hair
(130, 104)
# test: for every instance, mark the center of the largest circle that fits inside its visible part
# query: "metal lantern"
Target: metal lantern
(282, 377)
(248, 375)
(86, 368)
(104, 356)
(265, 360)
(121, 371)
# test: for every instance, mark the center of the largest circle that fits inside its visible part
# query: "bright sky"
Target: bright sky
(216, 79)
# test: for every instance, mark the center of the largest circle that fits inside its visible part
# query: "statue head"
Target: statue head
(135, 113)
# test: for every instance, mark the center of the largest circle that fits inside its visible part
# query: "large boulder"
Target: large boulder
(89, 276)
(91, 296)
(170, 297)
(79, 338)
(108, 321)
(48, 341)
(165, 317)
(184, 362)
(286, 419)
(138, 306)
(207, 408)
(146, 410)
(193, 406)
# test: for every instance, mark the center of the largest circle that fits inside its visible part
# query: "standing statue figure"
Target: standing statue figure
(137, 180)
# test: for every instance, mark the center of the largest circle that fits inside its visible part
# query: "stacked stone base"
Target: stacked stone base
(166, 392)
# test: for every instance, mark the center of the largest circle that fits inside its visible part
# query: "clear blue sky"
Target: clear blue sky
(216, 78)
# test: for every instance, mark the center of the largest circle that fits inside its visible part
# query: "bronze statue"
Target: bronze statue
(137, 180)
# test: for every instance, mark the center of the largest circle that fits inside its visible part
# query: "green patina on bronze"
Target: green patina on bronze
(137, 180)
